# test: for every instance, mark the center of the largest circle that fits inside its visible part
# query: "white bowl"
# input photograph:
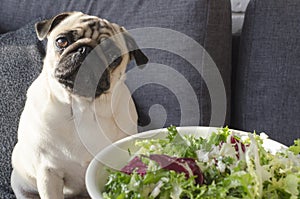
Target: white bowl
(116, 155)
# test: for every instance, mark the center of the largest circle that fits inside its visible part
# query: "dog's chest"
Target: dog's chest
(63, 133)
(63, 148)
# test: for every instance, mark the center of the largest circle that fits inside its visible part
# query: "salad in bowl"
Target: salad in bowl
(221, 163)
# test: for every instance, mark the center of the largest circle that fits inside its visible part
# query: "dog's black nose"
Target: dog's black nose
(84, 50)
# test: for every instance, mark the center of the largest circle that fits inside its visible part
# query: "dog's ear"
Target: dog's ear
(43, 28)
(134, 51)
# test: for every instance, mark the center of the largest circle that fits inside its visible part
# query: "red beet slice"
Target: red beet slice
(235, 142)
(179, 165)
(137, 165)
(195, 169)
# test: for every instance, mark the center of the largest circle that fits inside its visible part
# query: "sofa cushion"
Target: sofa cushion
(206, 22)
(267, 77)
(20, 63)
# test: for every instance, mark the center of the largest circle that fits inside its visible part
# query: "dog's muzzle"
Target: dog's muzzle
(84, 68)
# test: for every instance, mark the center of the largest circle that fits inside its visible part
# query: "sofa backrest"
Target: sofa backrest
(207, 22)
(267, 86)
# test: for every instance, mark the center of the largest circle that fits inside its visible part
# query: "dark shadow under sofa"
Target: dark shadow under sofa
(262, 88)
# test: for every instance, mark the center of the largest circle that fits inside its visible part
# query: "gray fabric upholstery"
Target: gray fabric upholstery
(267, 78)
(207, 22)
(20, 63)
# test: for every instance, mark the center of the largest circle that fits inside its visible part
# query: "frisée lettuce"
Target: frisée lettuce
(224, 165)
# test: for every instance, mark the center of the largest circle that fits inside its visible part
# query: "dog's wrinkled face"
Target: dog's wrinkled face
(73, 37)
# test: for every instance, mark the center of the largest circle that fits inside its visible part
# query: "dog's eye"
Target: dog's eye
(62, 42)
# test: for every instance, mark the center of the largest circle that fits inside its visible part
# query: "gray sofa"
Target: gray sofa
(260, 77)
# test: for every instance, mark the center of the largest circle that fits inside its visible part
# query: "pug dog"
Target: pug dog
(76, 98)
